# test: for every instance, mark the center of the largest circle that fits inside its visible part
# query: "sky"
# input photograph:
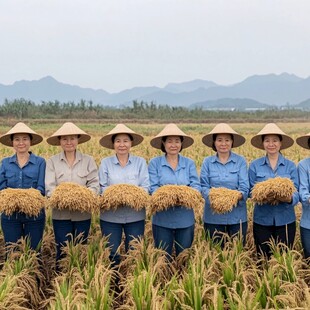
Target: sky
(120, 44)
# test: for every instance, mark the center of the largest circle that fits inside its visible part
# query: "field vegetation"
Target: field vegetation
(203, 277)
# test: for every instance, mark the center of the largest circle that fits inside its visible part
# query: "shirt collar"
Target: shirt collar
(116, 162)
(181, 163)
(280, 160)
(231, 158)
(78, 156)
(32, 158)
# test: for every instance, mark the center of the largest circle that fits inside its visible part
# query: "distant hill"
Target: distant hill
(270, 89)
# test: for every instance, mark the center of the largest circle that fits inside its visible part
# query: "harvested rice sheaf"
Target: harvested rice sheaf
(168, 196)
(74, 197)
(120, 195)
(223, 200)
(272, 190)
(29, 201)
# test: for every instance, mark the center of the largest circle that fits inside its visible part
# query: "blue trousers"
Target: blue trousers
(64, 230)
(114, 231)
(19, 225)
(216, 231)
(165, 238)
(264, 234)
(305, 241)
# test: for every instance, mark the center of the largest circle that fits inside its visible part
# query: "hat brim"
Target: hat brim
(303, 141)
(238, 139)
(55, 140)
(257, 141)
(157, 141)
(6, 139)
(107, 142)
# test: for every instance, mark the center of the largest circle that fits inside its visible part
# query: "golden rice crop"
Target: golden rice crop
(120, 195)
(74, 197)
(222, 200)
(272, 190)
(29, 201)
(168, 196)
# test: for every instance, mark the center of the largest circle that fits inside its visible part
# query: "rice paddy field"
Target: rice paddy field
(203, 277)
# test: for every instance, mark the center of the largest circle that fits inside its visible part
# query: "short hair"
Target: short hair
(163, 139)
(29, 134)
(279, 136)
(214, 138)
(114, 136)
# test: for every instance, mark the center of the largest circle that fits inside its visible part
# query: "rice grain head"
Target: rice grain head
(120, 195)
(168, 196)
(75, 197)
(272, 190)
(223, 200)
(29, 201)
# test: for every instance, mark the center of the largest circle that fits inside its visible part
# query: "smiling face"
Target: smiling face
(272, 144)
(21, 142)
(172, 145)
(69, 143)
(223, 143)
(122, 144)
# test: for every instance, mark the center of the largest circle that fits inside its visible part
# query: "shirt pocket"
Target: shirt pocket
(214, 178)
(60, 177)
(30, 179)
(261, 177)
(82, 175)
(132, 178)
(11, 179)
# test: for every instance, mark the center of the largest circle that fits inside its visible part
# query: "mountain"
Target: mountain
(188, 86)
(269, 89)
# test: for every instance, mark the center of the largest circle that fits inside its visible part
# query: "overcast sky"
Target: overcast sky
(118, 44)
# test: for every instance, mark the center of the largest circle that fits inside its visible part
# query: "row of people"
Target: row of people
(174, 226)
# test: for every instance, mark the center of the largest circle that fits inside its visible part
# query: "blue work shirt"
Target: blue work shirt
(161, 173)
(232, 175)
(283, 213)
(32, 175)
(135, 172)
(304, 191)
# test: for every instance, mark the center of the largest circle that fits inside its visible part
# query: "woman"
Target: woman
(273, 221)
(22, 170)
(70, 166)
(229, 170)
(122, 167)
(174, 226)
(304, 193)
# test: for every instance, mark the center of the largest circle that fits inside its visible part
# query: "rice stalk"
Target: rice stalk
(223, 200)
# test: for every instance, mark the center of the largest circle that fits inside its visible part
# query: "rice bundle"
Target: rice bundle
(74, 197)
(29, 201)
(222, 200)
(120, 195)
(272, 191)
(168, 196)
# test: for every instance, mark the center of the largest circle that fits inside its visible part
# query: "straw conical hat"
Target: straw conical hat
(303, 141)
(172, 130)
(68, 129)
(20, 128)
(106, 141)
(223, 128)
(271, 129)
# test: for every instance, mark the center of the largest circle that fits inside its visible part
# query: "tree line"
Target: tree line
(27, 109)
